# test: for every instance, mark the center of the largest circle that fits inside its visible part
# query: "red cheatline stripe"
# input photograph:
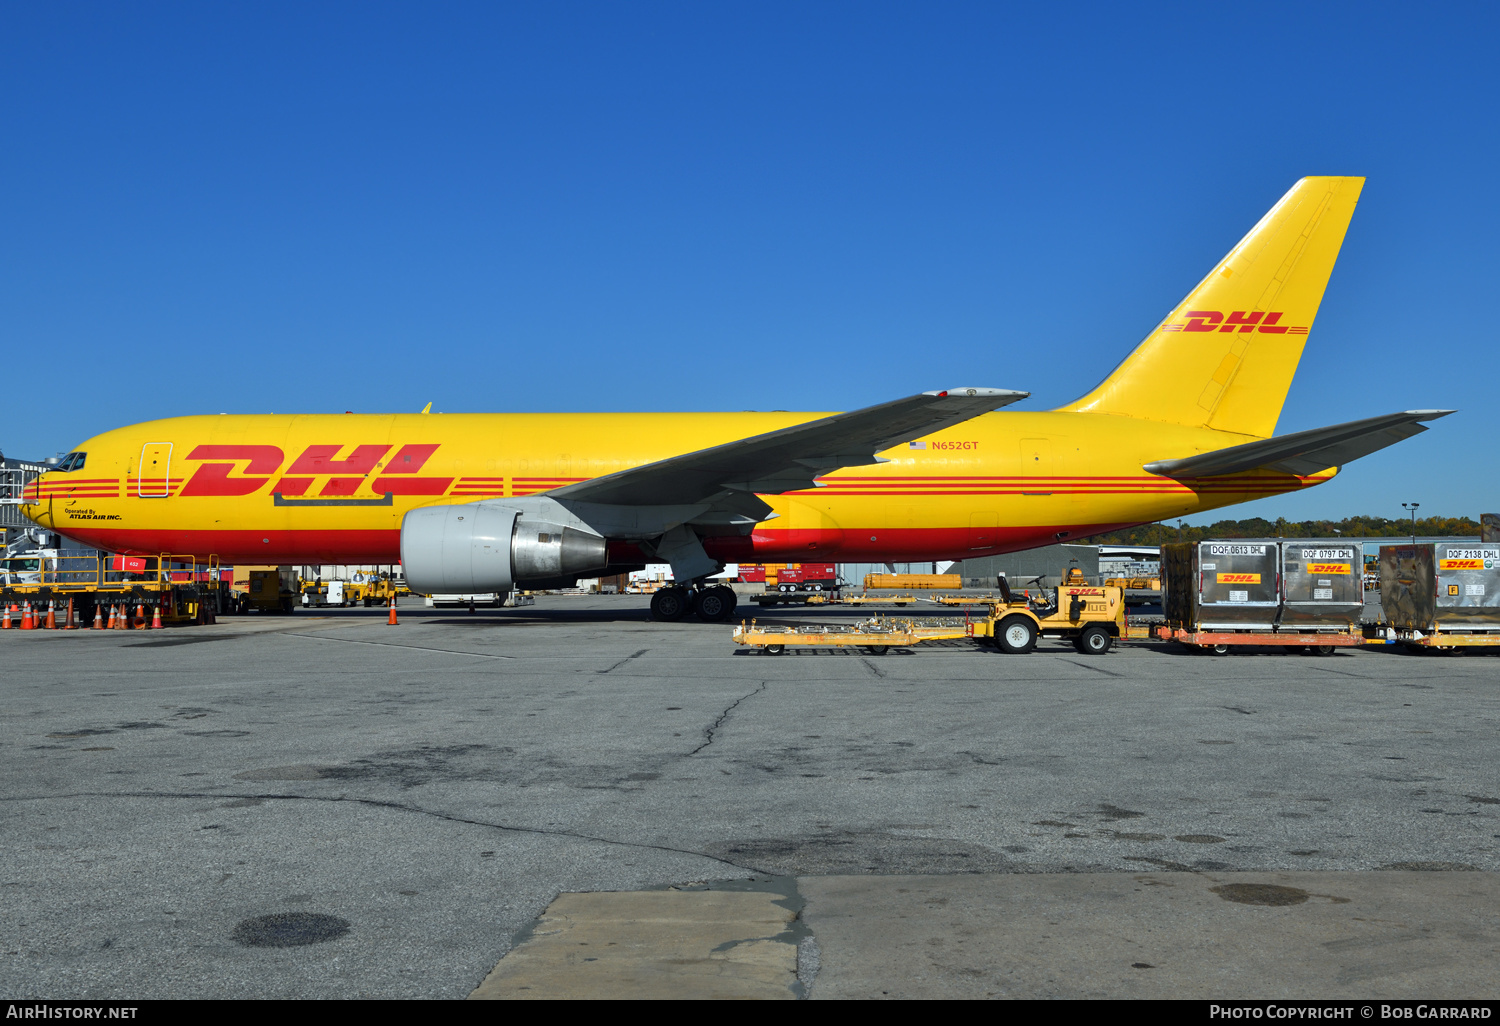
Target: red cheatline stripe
(481, 480)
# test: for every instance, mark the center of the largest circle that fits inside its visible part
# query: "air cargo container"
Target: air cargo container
(1322, 583)
(1441, 594)
(1222, 585)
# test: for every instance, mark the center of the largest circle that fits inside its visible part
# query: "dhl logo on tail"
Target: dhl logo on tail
(1238, 320)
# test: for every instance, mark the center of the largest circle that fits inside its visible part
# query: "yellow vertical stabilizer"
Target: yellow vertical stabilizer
(1224, 358)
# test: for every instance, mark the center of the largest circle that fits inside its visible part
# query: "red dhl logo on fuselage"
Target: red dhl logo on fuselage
(1238, 320)
(257, 464)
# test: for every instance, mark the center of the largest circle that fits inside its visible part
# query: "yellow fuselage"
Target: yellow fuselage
(333, 489)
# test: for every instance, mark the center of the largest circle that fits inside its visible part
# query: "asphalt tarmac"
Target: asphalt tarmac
(321, 805)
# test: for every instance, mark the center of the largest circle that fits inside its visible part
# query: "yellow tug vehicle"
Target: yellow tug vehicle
(1092, 616)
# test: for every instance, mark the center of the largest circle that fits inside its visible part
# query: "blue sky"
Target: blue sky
(553, 206)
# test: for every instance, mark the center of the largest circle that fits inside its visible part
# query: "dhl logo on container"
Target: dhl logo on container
(1239, 578)
(1238, 320)
(1329, 568)
(1460, 564)
(258, 463)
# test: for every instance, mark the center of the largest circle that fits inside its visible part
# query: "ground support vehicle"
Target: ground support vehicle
(879, 600)
(1090, 616)
(1139, 591)
(328, 593)
(265, 589)
(793, 583)
(175, 589)
(910, 582)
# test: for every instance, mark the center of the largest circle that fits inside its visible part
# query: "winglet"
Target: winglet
(427, 408)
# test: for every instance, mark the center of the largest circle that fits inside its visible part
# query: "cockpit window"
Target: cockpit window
(72, 461)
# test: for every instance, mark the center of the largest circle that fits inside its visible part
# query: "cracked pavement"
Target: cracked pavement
(435, 786)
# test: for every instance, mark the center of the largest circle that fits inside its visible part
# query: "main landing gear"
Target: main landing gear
(712, 605)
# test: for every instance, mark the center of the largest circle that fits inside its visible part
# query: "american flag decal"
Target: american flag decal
(916, 445)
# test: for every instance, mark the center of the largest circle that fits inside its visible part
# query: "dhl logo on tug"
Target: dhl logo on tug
(230, 470)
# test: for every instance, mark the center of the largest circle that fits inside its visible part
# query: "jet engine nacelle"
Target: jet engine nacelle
(483, 547)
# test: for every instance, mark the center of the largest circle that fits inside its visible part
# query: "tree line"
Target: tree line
(1259, 527)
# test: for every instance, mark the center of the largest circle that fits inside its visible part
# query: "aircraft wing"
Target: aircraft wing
(788, 459)
(1305, 452)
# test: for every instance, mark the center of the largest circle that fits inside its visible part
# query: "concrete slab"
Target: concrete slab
(1428, 935)
(653, 944)
(436, 785)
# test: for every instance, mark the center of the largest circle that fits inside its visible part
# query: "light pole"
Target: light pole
(1413, 507)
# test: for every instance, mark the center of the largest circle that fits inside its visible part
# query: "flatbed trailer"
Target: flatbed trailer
(875, 636)
(879, 600)
(775, 640)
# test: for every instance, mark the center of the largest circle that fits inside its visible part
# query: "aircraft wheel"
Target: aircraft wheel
(716, 604)
(1016, 635)
(669, 604)
(1095, 640)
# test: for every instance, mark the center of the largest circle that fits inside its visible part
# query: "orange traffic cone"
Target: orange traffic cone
(98, 617)
(140, 616)
(156, 617)
(68, 624)
(123, 620)
(28, 622)
(5, 624)
(51, 615)
(391, 620)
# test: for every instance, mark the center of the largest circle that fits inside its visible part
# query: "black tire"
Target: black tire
(1321, 650)
(670, 604)
(1216, 650)
(1016, 635)
(774, 649)
(1095, 640)
(878, 650)
(716, 604)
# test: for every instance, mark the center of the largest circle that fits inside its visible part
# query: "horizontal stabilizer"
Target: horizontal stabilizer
(1305, 452)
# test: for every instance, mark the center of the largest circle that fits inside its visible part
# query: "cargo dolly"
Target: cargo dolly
(874, 636)
(1219, 642)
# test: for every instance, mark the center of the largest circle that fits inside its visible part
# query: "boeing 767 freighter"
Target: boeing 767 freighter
(488, 502)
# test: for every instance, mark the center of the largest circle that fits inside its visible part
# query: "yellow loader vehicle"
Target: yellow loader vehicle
(1092, 616)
